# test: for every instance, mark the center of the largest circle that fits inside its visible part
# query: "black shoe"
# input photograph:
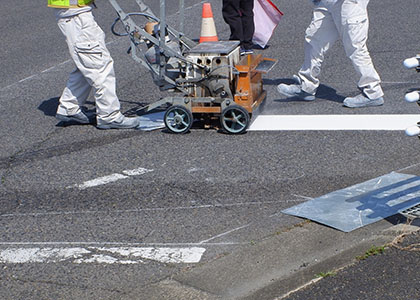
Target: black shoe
(244, 51)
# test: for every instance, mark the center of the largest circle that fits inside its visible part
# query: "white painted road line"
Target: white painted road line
(333, 122)
(112, 255)
(136, 172)
(110, 178)
(101, 181)
(139, 210)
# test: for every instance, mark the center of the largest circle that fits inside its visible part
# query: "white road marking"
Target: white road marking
(333, 122)
(121, 244)
(408, 167)
(101, 181)
(224, 233)
(303, 197)
(136, 172)
(27, 78)
(164, 255)
(113, 255)
(111, 178)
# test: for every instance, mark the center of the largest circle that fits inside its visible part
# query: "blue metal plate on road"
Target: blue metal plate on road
(363, 203)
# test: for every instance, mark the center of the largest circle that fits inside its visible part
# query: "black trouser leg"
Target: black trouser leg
(247, 7)
(232, 16)
(238, 14)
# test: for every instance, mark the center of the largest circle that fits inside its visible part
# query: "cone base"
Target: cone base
(209, 39)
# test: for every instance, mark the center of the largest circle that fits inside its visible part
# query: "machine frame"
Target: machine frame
(215, 85)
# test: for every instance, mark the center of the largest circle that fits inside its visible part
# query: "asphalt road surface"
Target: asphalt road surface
(205, 192)
(389, 273)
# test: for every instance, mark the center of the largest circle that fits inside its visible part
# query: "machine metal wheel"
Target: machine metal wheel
(178, 119)
(234, 119)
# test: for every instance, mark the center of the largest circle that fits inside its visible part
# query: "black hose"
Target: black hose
(130, 14)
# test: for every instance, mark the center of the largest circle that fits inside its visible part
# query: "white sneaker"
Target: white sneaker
(124, 123)
(362, 101)
(294, 91)
(80, 117)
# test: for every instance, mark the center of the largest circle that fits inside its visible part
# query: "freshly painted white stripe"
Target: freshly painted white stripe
(333, 122)
(101, 181)
(131, 255)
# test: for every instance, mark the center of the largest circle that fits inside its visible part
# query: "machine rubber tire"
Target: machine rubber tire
(178, 119)
(234, 119)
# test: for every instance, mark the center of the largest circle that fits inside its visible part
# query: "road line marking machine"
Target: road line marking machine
(213, 82)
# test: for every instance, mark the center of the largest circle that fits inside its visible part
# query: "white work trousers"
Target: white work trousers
(94, 68)
(347, 19)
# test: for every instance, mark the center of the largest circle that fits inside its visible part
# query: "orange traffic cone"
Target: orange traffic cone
(208, 29)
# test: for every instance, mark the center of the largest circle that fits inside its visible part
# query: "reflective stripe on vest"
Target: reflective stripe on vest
(69, 3)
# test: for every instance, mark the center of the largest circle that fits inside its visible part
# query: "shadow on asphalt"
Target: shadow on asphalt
(324, 92)
(401, 219)
(49, 107)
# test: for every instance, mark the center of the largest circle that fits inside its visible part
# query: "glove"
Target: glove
(316, 2)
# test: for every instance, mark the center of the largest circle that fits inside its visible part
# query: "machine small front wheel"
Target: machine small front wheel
(234, 119)
(178, 119)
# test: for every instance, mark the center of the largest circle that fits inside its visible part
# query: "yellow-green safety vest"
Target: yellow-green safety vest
(69, 3)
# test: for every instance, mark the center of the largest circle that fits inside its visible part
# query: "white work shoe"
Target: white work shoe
(80, 118)
(362, 101)
(294, 91)
(124, 123)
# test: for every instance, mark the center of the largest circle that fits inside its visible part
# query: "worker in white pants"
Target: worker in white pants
(333, 19)
(94, 68)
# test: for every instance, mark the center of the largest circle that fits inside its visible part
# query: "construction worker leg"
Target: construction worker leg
(232, 15)
(355, 26)
(248, 27)
(74, 95)
(86, 42)
(320, 36)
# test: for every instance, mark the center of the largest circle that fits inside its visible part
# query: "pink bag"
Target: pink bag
(266, 18)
